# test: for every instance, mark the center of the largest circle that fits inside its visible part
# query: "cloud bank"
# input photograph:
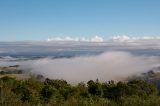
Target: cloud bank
(107, 66)
(115, 39)
(83, 39)
(125, 38)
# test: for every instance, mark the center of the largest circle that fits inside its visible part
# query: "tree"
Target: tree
(95, 88)
(23, 91)
(141, 88)
(47, 92)
(82, 90)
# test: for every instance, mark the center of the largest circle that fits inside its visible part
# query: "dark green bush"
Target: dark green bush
(32, 92)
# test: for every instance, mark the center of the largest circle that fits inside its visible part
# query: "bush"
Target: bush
(32, 92)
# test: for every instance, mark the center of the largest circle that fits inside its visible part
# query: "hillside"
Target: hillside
(15, 91)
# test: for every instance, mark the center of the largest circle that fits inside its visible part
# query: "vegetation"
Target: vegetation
(15, 72)
(33, 92)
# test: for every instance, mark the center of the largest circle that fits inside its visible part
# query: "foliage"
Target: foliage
(32, 92)
(95, 88)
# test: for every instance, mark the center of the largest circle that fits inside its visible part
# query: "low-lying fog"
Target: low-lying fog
(106, 66)
(109, 64)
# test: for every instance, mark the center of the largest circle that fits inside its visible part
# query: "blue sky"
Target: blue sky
(40, 19)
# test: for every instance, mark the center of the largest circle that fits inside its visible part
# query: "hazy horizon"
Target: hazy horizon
(81, 61)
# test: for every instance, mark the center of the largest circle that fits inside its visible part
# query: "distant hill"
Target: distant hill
(153, 76)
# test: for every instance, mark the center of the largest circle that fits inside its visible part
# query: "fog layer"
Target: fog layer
(107, 66)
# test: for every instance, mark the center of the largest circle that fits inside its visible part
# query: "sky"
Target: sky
(41, 19)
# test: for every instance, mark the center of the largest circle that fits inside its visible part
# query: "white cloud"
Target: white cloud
(83, 39)
(125, 38)
(118, 38)
(121, 38)
(97, 39)
(62, 39)
(107, 66)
